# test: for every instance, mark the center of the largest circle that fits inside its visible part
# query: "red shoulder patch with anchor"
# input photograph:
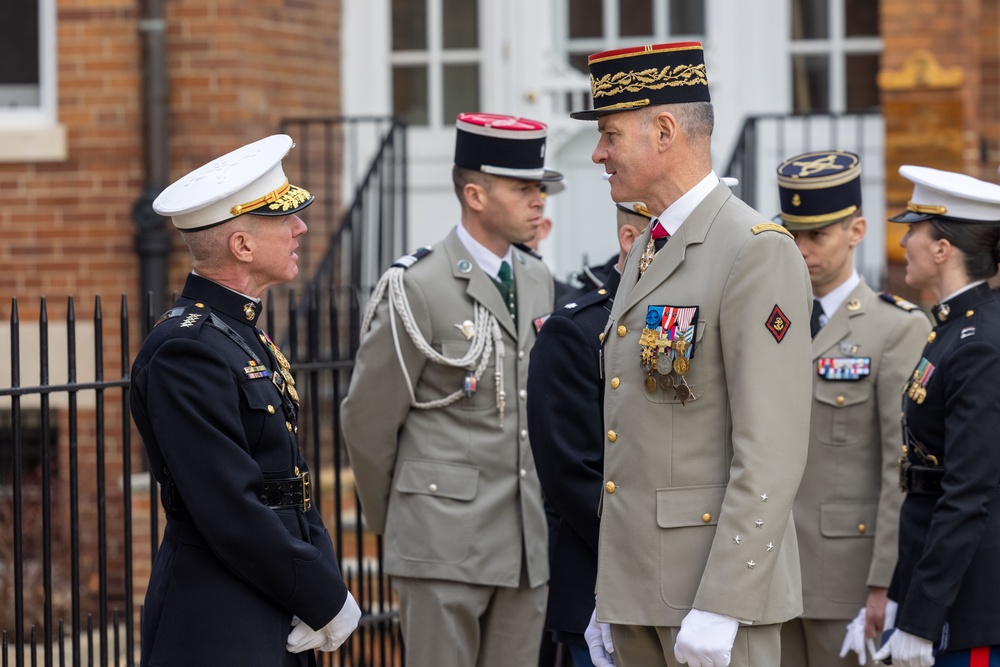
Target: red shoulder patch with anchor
(777, 323)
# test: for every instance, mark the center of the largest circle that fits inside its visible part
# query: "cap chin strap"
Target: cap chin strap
(486, 339)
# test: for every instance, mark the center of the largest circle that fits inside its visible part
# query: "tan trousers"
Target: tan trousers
(452, 624)
(646, 646)
(810, 642)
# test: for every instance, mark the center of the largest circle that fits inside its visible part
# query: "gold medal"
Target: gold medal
(294, 394)
(647, 256)
(650, 384)
(681, 345)
(681, 365)
(921, 395)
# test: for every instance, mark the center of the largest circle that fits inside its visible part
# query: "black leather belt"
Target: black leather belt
(918, 479)
(278, 493)
(290, 492)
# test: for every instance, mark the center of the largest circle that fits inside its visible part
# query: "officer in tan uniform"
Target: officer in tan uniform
(435, 417)
(864, 349)
(706, 370)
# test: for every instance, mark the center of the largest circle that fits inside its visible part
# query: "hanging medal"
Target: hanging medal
(916, 388)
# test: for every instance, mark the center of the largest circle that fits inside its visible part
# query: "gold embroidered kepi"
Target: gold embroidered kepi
(642, 76)
(247, 180)
(819, 188)
(949, 197)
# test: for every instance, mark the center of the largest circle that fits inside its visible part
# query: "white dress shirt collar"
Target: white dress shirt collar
(484, 258)
(833, 299)
(679, 211)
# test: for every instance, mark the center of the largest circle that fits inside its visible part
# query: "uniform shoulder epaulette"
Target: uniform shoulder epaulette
(898, 301)
(188, 318)
(770, 227)
(406, 261)
(527, 250)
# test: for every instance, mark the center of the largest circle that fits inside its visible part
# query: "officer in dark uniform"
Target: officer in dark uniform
(566, 432)
(947, 581)
(246, 573)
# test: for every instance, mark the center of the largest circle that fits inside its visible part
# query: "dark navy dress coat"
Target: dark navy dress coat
(231, 571)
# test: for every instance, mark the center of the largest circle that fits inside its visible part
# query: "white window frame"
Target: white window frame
(435, 57)
(34, 134)
(836, 47)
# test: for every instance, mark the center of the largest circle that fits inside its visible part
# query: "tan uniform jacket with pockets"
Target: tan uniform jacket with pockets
(847, 509)
(456, 496)
(701, 509)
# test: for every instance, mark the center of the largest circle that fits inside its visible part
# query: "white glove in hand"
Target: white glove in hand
(598, 636)
(907, 650)
(705, 639)
(330, 636)
(854, 640)
(890, 614)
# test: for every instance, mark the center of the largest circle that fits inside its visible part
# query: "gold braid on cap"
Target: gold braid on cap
(927, 209)
(270, 198)
(648, 79)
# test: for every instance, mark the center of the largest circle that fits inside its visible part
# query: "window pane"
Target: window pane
(810, 83)
(810, 19)
(579, 61)
(862, 87)
(19, 69)
(461, 24)
(635, 18)
(687, 17)
(585, 19)
(461, 91)
(409, 94)
(861, 18)
(409, 25)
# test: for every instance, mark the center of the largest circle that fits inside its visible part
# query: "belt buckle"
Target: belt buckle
(306, 491)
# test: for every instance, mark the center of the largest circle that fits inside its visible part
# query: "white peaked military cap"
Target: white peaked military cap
(949, 196)
(247, 180)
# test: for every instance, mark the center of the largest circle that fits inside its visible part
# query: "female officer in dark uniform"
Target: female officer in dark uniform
(947, 580)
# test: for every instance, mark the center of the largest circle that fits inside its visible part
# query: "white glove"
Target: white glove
(907, 650)
(854, 640)
(890, 614)
(330, 636)
(706, 639)
(598, 636)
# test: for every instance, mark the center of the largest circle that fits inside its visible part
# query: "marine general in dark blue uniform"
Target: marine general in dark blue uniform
(246, 573)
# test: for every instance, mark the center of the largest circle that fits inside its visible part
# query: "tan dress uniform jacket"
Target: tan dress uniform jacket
(456, 496)
(847, 508)
(700, 509)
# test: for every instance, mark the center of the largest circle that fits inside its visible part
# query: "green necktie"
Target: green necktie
(505, 283)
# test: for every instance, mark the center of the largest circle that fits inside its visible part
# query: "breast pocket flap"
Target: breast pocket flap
(848, 519)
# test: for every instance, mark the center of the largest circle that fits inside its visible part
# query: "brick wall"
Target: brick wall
(236, 69)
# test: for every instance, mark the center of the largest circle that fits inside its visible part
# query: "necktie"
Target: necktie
(814, 325)
(505, 283)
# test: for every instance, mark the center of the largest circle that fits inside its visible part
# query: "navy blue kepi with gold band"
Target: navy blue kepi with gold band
(502, 146)
(642, 76)
(819, 188)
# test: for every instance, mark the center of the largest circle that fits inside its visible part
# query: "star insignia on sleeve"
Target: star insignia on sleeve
(770, 546)
(763, 497)
(751, 564)
(759, 523)
(736, 540)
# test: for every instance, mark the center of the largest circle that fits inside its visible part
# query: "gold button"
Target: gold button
(970, 313)
(520, 354)
(524, 473)
(600, 336)
(270, 409)
(706, 517)
(523, 394)
(612, 436)
(622, 330)
(861, 528)
(932, 336)
(199, 305)
(840, 400)
(433, 488)
(297, 471)
(524, 434)
(615, 382)
(288, 425)
(602, 291)
(610, 487)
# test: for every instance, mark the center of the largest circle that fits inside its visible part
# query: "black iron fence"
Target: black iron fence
(79, 512)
